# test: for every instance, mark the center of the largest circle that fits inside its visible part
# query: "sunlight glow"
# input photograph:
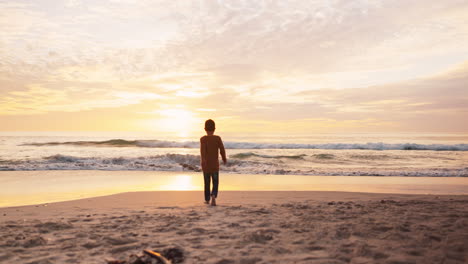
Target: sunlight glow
(176, 120)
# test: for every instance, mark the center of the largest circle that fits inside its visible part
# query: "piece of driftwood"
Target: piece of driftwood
(172, 255)
(156, 255)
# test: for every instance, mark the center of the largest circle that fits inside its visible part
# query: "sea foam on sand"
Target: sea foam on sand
(246, 227)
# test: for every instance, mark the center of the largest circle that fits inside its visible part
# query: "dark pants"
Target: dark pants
(208, 176)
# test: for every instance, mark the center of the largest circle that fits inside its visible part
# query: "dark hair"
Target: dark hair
(210, 125)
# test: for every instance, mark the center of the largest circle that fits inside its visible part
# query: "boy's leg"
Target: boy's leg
(215, 176)
(206, 177)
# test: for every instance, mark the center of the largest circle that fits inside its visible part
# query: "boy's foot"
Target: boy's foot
(213, 200)
(207, 202)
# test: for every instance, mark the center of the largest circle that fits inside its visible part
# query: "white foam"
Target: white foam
(256, 164)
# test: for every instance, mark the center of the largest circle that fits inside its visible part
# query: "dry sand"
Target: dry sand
(245, 227)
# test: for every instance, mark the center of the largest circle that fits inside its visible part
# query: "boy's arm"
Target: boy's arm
(222, 151)
(202, 152)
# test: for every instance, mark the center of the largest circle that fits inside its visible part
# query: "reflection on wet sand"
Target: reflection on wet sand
(34, 187)
(179, 182)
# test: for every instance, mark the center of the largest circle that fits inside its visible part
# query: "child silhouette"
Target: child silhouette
(210, 148)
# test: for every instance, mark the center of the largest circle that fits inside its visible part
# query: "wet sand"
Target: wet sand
(245, 227)
(33, 187)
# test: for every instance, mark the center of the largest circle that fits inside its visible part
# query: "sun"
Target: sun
(177, 121)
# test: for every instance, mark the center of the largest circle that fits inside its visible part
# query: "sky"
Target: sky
(259, 66)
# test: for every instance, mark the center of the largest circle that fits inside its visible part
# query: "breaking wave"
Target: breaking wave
(238, 163)
(251, 145)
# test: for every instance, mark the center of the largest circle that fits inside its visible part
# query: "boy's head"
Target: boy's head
(210, 125)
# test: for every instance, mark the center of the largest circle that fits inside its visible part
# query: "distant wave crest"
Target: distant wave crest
(252, 145)
(251, 154)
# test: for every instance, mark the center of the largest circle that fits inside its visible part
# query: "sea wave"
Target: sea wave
(251, 154)
(247, 163)
(253, 145)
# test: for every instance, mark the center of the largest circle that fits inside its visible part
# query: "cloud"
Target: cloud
(39, 100)
(184, 93)
(316, 37)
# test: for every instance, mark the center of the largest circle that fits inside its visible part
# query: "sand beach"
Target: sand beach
(245, 227)
(329, 132)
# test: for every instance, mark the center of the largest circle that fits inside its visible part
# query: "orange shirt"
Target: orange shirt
(210, 146)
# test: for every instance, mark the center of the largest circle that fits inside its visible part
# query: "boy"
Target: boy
(209, 147)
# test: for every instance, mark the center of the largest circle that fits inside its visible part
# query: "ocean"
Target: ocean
(418, 155)
(48, 167)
